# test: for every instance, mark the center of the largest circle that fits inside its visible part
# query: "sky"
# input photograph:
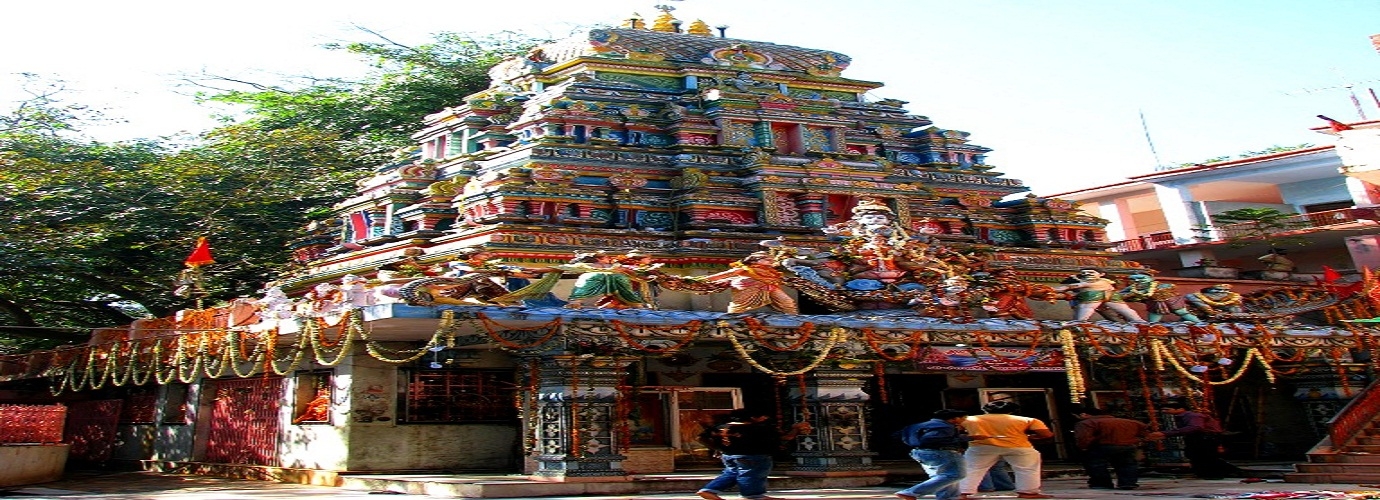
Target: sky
(1069, 94)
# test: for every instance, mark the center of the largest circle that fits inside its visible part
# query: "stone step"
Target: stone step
(1344, 457)
(1340, 468)
(1362, 448)
(1331, 478)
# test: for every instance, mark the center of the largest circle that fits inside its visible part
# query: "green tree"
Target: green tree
(1247, 226)
(95, 233)
(376, 115)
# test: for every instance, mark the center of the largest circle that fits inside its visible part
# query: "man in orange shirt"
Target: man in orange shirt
(1010, 439)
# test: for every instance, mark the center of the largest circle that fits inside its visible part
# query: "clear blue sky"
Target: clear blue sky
(1055, 87)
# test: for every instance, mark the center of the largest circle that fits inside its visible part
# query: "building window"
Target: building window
(311, 402)
(458, 396)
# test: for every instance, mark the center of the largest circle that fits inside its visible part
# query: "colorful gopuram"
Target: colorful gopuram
(637, 229)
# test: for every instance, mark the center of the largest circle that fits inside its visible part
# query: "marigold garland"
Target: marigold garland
(836, 334)
(1072, 368)
(691, 329)
(756, 328)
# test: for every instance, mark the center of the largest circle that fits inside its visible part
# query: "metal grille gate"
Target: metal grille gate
(244, 421)
(91, 428)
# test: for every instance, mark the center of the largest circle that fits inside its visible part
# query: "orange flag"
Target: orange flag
(201, 255)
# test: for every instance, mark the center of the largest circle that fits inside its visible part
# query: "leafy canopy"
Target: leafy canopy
(95, 232)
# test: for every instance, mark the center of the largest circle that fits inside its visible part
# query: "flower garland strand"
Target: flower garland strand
(836, 335)
(1074, 370)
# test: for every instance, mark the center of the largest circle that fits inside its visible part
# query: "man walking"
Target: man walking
(1010, 439)
(746, 444)
(1109, 441)
(938, 445)
(1202, 435)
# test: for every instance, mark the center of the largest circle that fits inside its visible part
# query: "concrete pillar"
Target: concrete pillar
(577, 433)
(834, 402)
(1180, 211)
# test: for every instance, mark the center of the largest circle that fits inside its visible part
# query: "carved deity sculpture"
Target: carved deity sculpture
(1215, 302)
(1159, 298)
(1093, 290)
(755, 282)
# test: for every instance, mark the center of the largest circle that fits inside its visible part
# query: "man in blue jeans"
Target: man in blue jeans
(938, 445)
(745, 444)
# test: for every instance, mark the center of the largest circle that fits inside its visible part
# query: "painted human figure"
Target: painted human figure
(613, 282)
(755, 282)
(1159, 298)
(480, 277)
(954, 300)
(1009, 293)
(1215, 301)
(1094, 290)
(355, 291)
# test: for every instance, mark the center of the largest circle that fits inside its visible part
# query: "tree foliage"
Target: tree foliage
(96, 232)
(1246, 226)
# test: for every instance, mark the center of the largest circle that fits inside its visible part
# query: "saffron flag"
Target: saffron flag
(201, 255)
(360, 222)
(1336, 125)
(1330, 275)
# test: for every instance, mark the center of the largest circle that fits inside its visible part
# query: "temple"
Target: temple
(635, 230)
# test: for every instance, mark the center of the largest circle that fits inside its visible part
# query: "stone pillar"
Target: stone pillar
(576, 422)
(834, 402)
(811, 208)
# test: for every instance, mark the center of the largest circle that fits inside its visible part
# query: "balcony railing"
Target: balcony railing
(1296, 223)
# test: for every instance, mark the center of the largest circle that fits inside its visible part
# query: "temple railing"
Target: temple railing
(1354, 417)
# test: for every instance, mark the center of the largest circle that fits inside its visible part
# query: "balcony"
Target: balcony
(1345, 218)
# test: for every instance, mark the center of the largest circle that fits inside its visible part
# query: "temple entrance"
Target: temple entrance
(244, 421)
(1035, 403)
(693, 409)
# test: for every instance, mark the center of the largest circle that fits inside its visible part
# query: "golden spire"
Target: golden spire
(634, 22)
(699, 27)
(666, 22)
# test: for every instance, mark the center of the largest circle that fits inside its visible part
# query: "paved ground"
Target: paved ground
(155, 486)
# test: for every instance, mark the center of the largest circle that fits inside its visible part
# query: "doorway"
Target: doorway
(1035, 403)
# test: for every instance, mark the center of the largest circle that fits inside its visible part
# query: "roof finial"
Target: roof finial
(665, 22)
(701, 28)
(635, 22)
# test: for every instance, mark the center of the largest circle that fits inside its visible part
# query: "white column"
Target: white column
(1180, 211)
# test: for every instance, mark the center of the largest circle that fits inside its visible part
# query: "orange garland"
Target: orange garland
(755, 327)
(692, 328)
(552, 327)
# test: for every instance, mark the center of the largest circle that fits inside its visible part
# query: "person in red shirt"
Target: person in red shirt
(1109, 441)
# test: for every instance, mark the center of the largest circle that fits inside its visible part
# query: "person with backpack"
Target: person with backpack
(938, 445)
(745, 444)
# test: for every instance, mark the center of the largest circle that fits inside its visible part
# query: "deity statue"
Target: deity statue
(755, 282)
(1159, 298)
(1008, 294)
(1215, 302)
(877, 243)
(1093, 290)
(954, 300)
(614, 282)
(476, 277)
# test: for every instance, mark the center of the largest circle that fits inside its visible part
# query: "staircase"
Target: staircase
(1357, 459)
